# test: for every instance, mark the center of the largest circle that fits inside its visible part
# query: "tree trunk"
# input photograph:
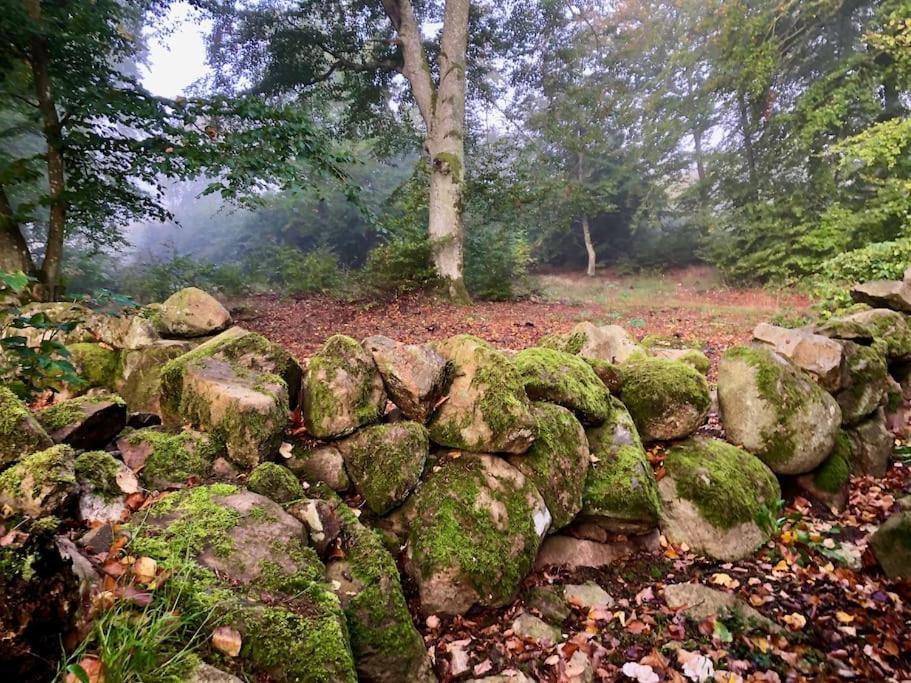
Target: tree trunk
(56, 176)
(589, 247)
(443, 111)
(700, 166)
(747, 131)
(14, 253)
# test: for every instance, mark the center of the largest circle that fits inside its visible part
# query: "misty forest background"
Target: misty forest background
(768, 139)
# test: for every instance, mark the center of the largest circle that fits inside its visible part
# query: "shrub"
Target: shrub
(157, 281)
(497, 259)
(878, 261)
(288, 270)
(400, 265)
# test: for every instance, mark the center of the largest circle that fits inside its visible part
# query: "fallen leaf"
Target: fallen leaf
(640, 672)
(795, 621)
(227, 640)
(844, 617)
(144, 569)
(89, 669)
(286, 450)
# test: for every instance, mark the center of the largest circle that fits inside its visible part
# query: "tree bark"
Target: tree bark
(443, 111)
(39, 61)
(700, 165)
(589, 247)
(747, 131)
(14, 253)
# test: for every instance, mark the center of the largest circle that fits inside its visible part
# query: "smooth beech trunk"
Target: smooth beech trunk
(589, 247)
(442, 108)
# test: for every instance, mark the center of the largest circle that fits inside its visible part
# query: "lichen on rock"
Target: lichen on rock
(620, 488)
(385, 462)
(478, 525)
(343, 389)
(487, 409)
(20, 432)
(713, 496)
(563, 379)
(557, 462)
(40, 483)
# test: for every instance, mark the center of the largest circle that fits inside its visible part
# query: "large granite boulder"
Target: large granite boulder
(487, 409)
(892, 294)
(776, 411)
(891, 544)
(87, 422)
(343, 389)
(242, 562)
(415, 376)
(191, 312)
(477, 526)
(557, 462)
(865, 382)
(819, 355)
(667, 399)
(712, 497)
(621, 493)
(20, 432)
(563, 379)
(39, 484)
(385, 462)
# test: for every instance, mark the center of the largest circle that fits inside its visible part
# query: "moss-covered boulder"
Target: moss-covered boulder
(229, 387)
(164, 459)
(605, 342)
(191, 312)
(667, 399)
(249, 355)
(343, 390)
(415, 376)
(713, 496)
(123, 332)
(621, 493)
(487, 409)
(570, 342)
(20, 432)
(891, 544)
(557, 462)
(276, 482)
(864, 384)
(138, 377)
(563, 379)
(228, 549)
(324, 464)
(96, 365)
(692, 357)
(478, 524)
(385, 462)
(776, 411)
(39, 484)
(828, 483)
(609, 373)
(891, 328)
(387, 647)
(871, 445)
(87, 422)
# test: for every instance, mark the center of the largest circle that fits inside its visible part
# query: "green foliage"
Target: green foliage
(497, 259)
(398, 266)
(292, 271)
(29, 368)
(878, 261)
(158, 280)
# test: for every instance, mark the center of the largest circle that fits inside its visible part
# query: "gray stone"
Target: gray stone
(700, 602)
(865, 384)
(415, 376)
(891, 544)
(820, 356)
(587, 595)
(88, 422)
(573, 553)
(209, 674)
(895, 295)
(871, 446)
(549, 603)
(606, 342)
(529, 627)
(324, 464)
(191, 312)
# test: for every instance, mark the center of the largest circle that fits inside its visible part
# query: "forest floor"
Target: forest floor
(838, 617)
(691, 303)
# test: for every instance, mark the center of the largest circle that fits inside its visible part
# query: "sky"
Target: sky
(177, 56)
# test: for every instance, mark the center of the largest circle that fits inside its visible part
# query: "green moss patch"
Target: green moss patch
(74, 410)
(174, 458)
(571, 342)
(664, 397)
(835, 472)
(98, 471)
(728, 485)
(276, 482)
(564, 379)
(98, 365)
(40, 482)
(20, 433)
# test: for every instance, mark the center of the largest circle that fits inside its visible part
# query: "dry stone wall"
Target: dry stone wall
(475, 463)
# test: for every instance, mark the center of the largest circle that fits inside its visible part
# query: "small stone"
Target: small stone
(818, 355)
(275, 481)
(227, 640)
(209, 674)
(700, 602)
(891, 544)
(97, 540)
(415, 375)
(587, 595)
(324, 464)
(529, 627)
(549, 603)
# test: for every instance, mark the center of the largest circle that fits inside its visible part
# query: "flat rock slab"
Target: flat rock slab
(587, 595)
(89, 422)
(529, 627)
(815, 353)
(892, 294)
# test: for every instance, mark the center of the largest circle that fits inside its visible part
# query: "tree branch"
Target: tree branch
(415, 68)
